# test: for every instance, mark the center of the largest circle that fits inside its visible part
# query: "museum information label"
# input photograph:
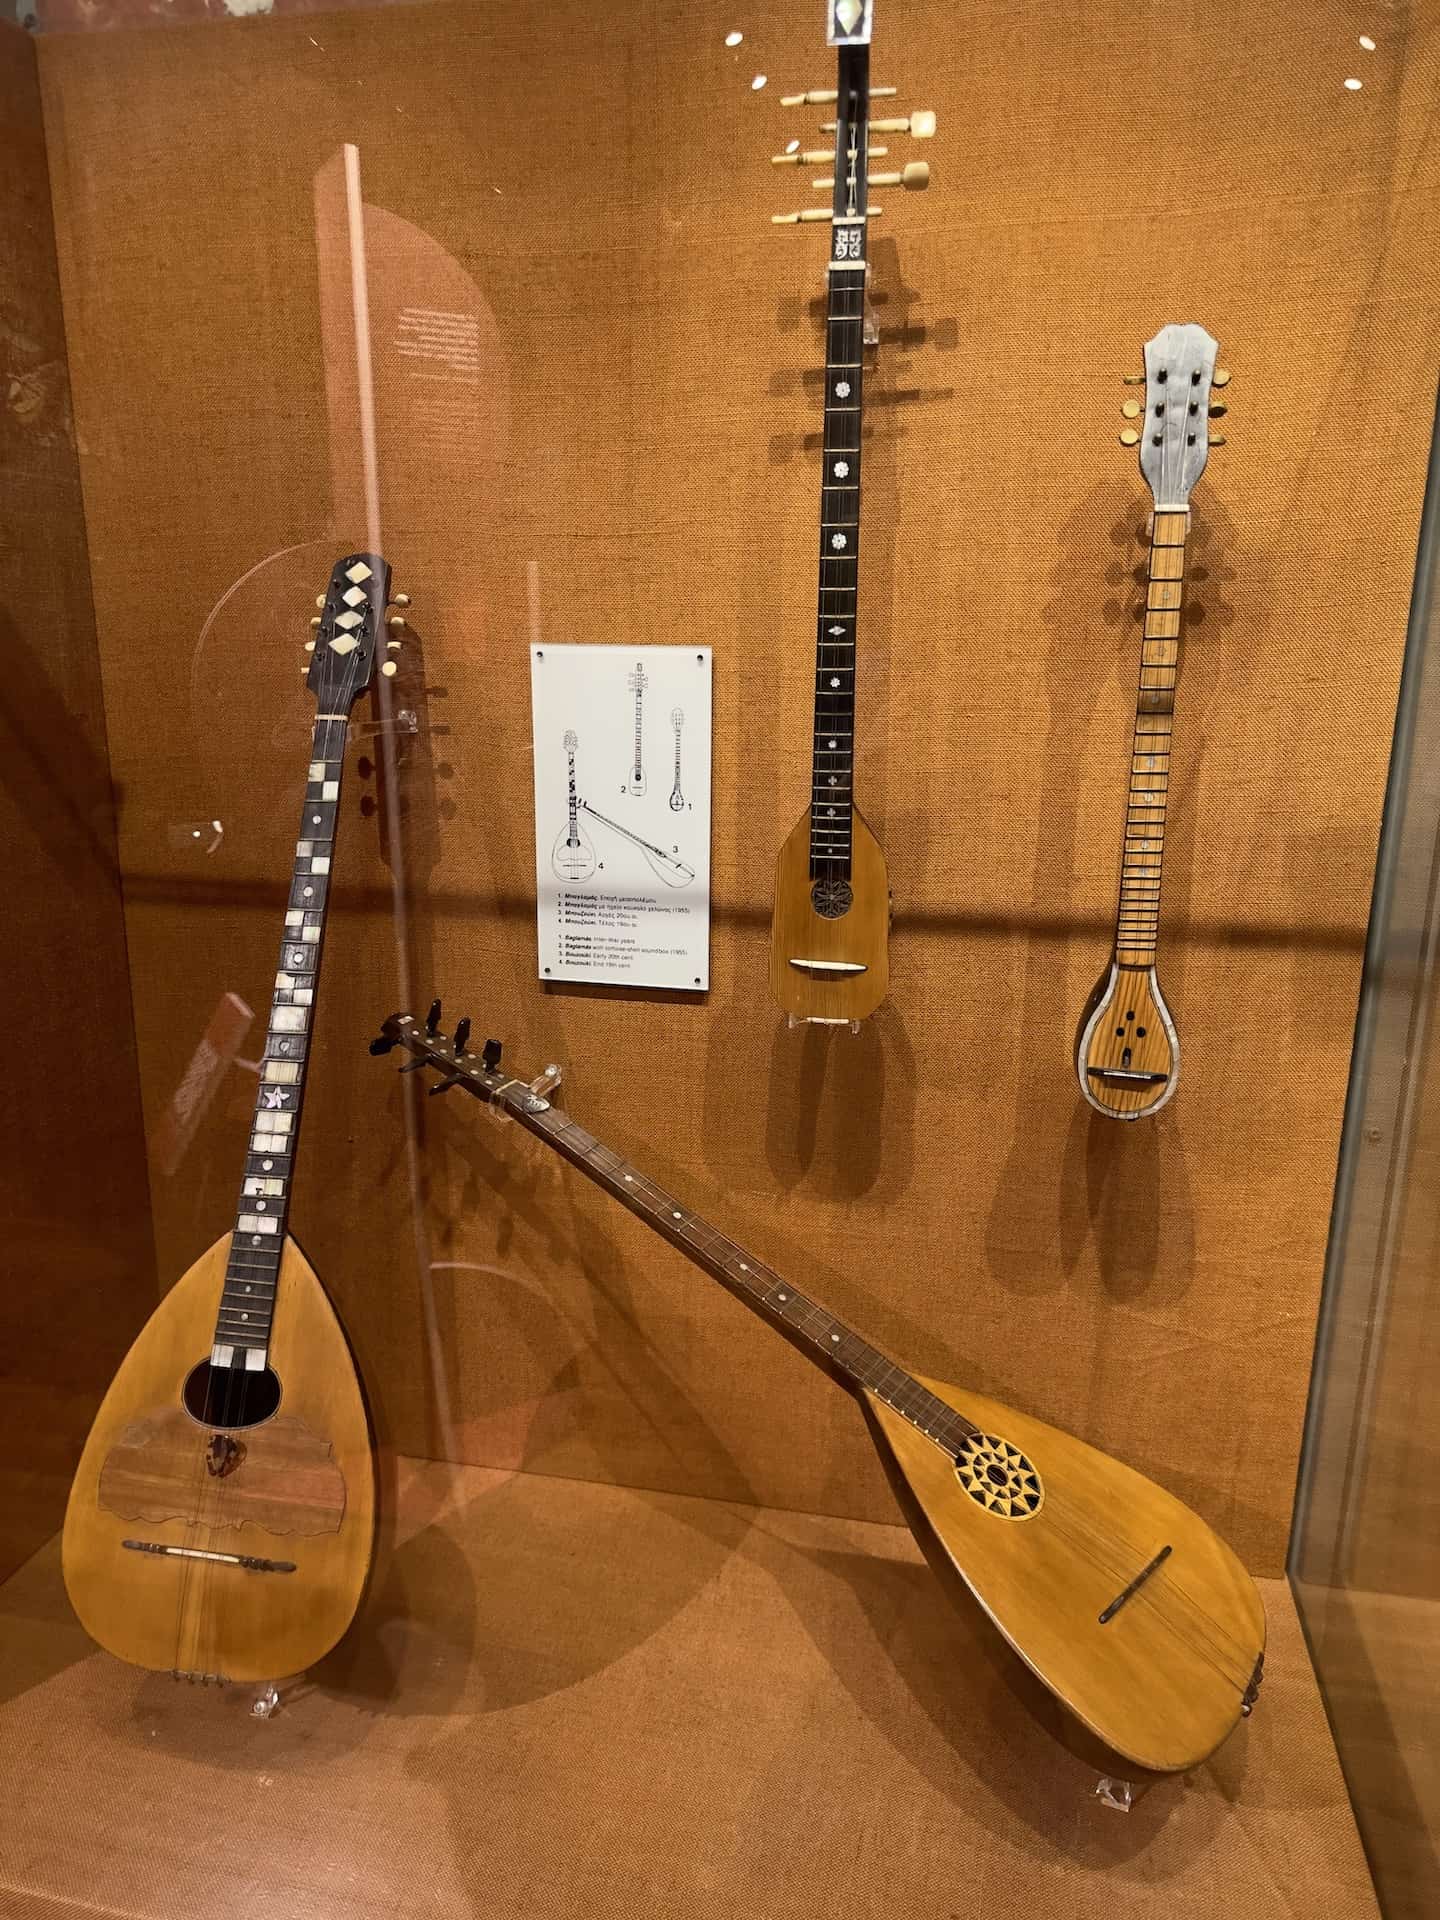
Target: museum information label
(622, 814)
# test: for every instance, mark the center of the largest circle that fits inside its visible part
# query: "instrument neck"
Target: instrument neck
(833, 759)
(1138, 921)
(834, 1347)
(253, 1267)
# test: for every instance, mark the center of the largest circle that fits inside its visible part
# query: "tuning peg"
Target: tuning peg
(315, 620)
(432, 1018)
(393, 646)
(914, 177)
(920, 126)
(1218, 409)
(1220, 377)
(389, 669)
(1133, 379)
(1131, 409)
(320, 601)
(819, 157)
(309, 646)
(827, 96)
(400, 600)
(490, 1054)
(395, 622)
(1129, 438)
(462, 1037)
(806, 214)
(382, 1044)
(1217, 439)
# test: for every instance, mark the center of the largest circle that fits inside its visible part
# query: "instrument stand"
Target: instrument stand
(266, 1703)
(793, 1020)
(1113, 1792)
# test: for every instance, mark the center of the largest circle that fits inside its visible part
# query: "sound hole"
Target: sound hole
(831, 898)
(230, 1397)
(999, 1477)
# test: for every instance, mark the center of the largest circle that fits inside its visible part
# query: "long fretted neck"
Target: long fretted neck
(252, 1270)
(832, 786)
(834, 1347)
(1138, 922)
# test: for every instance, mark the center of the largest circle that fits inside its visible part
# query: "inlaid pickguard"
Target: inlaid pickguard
(285, 1482)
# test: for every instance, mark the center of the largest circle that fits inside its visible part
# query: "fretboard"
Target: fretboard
(832, 780)
(1138, 924)
(827, 1341)
(252, 1271)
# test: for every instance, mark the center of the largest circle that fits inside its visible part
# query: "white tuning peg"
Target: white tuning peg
(920, 126)
(392, 646)
(320, 601)
(400, 600)
(315, 620)
(309, 646)
(818, 157)
(827, 96)
(806, 214)
(1220, 378)
(389, 669)
(395, 620)
(914, 178)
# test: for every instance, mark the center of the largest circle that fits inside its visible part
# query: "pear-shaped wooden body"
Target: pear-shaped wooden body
(1127, 1052)
(296, 1494)
(858, 939)
(1161, 1680)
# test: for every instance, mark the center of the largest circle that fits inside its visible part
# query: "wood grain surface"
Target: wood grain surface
(192, 1616)
(860, 937)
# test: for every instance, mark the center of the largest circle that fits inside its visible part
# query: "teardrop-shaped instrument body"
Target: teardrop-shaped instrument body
(831, 964)
(1127, 1053)
(1125, 1604)
(252, 1532)
(573, 856)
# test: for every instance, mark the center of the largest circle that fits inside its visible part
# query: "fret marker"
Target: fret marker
(842, 389)
(836, 632)
(674, 1214)
(307, 893)
(272, 1096)
(830, 743)
(837, 541)
(743, 1267)
(782, 1296)
(314, 819)
(835, 1336)
(834, 781)
(260, 1206)
(842, 467)
(834, 683)
(267, 1165)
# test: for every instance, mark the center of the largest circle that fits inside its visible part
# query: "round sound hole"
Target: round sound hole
(831, 898)
(998, 1477)
(230, 1397)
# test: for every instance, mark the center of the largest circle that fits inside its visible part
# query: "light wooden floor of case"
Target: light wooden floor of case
(566, 1697)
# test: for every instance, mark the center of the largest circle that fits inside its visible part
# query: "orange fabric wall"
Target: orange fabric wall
(637, 462)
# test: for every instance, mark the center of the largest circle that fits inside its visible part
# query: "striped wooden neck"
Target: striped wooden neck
(252, 1270)
(1138, 921)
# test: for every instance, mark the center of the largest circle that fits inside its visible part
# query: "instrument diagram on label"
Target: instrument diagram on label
(677, 798)
(622, 866)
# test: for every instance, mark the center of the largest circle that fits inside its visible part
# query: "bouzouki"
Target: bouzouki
(637, 682)
(1127, 1052)
(830, 930)
(221, 1521)
(1134, 1615)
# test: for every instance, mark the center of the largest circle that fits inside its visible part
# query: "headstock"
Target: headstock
(478, 1073)
(1172, 430)
(639, 680)
(571, 742)
(677, 718)
(848, 26)
(348, 631)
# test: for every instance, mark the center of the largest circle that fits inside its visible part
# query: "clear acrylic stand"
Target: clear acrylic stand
(542, 1086)
(1113, 1792)
(813, 1020)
